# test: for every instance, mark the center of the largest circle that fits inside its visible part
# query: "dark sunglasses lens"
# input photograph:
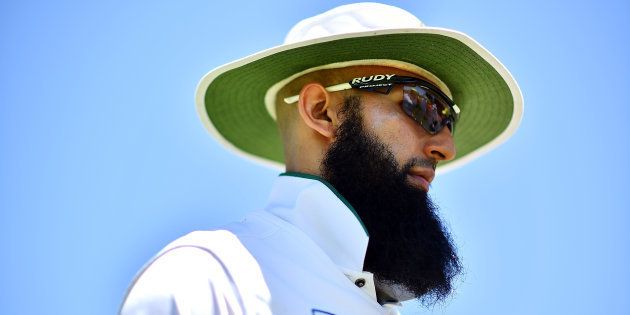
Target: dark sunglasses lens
(427, 108)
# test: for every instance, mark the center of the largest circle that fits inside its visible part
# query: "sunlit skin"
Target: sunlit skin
(308, 127)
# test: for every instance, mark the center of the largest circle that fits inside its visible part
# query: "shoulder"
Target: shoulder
(202, 272)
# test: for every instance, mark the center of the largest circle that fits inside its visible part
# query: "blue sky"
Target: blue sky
(104, 160)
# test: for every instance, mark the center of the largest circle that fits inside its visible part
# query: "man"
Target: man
(360, 105)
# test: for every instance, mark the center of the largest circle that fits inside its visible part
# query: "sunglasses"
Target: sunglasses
(422, 101)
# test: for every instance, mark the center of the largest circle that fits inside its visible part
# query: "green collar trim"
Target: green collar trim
(317, 178)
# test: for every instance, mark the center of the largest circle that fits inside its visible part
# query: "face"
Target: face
(411, 145)
(375, 161)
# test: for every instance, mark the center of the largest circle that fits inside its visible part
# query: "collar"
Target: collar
(316, 208)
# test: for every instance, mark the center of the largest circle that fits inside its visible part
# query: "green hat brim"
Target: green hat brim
(231, 98)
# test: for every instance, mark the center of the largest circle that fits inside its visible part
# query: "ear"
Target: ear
(316, 110)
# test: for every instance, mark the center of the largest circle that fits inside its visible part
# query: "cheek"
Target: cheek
(399, 132)
(403, 143)
(384, 121)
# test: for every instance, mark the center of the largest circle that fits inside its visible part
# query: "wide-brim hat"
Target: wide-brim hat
(236, 101)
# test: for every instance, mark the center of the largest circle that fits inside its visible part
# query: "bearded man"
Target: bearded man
(361, 106)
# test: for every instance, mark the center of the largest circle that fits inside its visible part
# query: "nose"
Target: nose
(440, 146)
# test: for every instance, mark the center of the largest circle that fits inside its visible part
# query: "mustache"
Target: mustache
(420, 162)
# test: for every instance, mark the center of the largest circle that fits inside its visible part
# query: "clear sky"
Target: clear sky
(104, 161)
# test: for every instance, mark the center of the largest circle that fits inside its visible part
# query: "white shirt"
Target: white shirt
(302, 254)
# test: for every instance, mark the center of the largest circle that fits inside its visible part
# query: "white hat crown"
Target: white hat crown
(352, 18)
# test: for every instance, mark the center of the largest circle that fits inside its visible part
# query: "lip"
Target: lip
(421, 177)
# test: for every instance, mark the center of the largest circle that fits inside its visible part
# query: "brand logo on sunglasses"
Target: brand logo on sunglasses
(372, 78)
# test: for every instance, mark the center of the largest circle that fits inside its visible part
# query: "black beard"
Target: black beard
(408, 246)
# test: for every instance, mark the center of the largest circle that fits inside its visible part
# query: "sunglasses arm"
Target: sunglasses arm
(332, 88)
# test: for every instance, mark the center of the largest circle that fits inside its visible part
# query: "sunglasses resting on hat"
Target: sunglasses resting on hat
(422, 101)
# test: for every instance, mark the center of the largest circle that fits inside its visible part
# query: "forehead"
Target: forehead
(350, 73)
(346, 74)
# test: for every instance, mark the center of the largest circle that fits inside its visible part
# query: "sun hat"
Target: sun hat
(236, 101)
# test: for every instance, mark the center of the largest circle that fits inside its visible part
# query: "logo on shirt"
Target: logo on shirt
(319, 312)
